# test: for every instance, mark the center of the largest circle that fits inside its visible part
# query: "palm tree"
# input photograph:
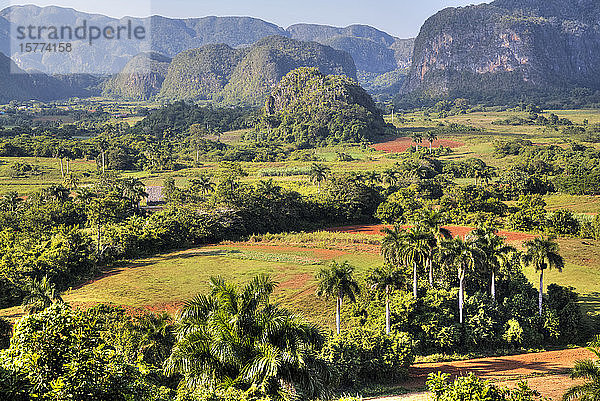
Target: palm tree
(204, 184)
(588, 370)
(542, 253)
(432, 221)
(42, 294)
(390, 177)
(133, 189)
(384, 280)
(372, 177)
(464, 256)
(431, 137)
(11, 200)
(156, 337)
(71, 181)
(235, 338)
(408, 247)
(497, 252)
(338, 281)
(417, 137)
(318, 174)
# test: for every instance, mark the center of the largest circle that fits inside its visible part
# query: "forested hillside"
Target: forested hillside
(308, 107)
(141, 79)
(245, 76)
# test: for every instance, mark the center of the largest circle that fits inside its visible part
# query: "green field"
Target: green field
(166, 281)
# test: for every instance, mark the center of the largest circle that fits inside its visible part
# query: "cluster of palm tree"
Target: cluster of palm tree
(235, 338)
(428, 243)
(417, 138)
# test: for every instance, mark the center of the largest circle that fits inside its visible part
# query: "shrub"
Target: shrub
(360, 356)
(471, 388)
(563, 222)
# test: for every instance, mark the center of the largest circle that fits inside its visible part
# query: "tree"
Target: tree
(373, 177)
(432, 221)
(417, 138)
(318, 174)
(542, 253)
(338, 282)
(385, 279)
(390, 177)
(235, 338)
(133, 190)
(464, 256)
(408, 247)
(203, 184)
(62, 354)
(589, 370)
(497, 252)
(10, 201)
(41, 294)
(431, 137)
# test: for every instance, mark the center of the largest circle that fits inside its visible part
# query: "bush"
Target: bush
(362, 356)
(471, 388)
(562, 222)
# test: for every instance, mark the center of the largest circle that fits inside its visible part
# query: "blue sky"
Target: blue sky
(401, 18)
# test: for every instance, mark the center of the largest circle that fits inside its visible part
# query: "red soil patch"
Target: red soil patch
(507, 368)
(399, 145)
(461, 231)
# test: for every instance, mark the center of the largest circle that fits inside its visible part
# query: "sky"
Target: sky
(401, 18)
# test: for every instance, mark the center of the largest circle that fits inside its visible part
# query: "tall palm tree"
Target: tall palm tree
(497, 252)
(133, 189)
(408, 247)
(431, 137)
(235, 338)
(385, 279)
(318, 174)
(542, 253)
(588, 370)
(417, 138)
(338, 282)
(464, 256)
(432, 221)
(42, 294)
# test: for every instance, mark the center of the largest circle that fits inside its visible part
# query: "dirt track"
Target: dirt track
(546, 372)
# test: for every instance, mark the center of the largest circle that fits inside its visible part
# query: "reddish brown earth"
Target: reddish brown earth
(461, 231)
(399, 145)
(547, 371)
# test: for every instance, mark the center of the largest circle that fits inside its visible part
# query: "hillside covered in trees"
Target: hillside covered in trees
(245, 76)
(312, 108)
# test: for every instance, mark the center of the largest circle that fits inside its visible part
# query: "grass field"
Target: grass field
(165, 282)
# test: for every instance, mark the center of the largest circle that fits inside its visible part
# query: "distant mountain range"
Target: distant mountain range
(372, 50)
(504, 50)
(508, 49)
